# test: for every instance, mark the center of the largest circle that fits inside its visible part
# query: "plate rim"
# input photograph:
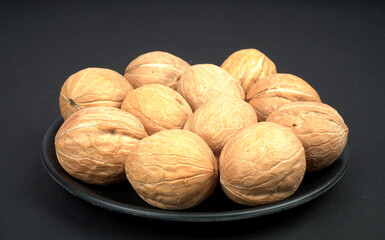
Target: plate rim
(180, 215)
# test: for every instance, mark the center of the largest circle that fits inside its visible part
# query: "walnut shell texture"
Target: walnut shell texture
(158, 107)
(172, 169)
(249, 65)
(92, 87)
(272, 92)
(320, 128)
(203, 82)
(156, 67)
(92, 145)
(219, 119)
(263, 163)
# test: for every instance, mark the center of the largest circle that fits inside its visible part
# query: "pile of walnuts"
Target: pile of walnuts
(174, 130)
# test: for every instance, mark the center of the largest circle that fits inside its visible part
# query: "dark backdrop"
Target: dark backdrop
(338, 47)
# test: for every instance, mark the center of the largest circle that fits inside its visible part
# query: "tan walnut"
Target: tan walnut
(156, 67)
(92, 87)
(249, 65)
(320, 128)
(263, 163)
(270, 93)
(219, 119)
(203, 82)
(92, 145)
(158, 107)
(172, 169)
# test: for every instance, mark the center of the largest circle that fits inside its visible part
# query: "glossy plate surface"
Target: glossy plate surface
(122, 198)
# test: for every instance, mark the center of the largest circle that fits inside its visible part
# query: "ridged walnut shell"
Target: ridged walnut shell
(158, 107)
(156, 67)
(263, 163)
(248, 66)
(219, 119)
(320, 128)
(92, 145)
(203, 82)
(272, 92)
(92, 87)
(172, 169)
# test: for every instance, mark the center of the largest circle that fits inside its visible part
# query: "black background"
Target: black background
(338, 47)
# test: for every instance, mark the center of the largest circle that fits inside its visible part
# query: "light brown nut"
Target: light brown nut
(320, 128)
(156, 67)
(263, 163)
(219, 119)
(172, 169)
(249, 65)
(270, 93)
(203, 82)
(158, 107)
(92, 145)
(92, 87)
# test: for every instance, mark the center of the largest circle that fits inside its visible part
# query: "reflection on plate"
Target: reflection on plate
(122, 198)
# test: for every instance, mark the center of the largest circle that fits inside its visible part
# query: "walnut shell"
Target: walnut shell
(219, 119)
(158, 107)
(270, 93)
(92, 145)
(320, 128)
(263, 163)
(172, 169)
(92, 87)
(249, 65)
(202, 82)
(156, 67)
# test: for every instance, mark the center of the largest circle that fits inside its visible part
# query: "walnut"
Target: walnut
(93, 143)
(92, 87)
(156, 67)
(249, 65)
(158, 107)
(172, 169)
(202, 82)
(320, 128)
(219, 119)
(270, 93)
(261, 164)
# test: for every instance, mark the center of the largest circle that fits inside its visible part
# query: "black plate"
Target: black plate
(122, 198)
